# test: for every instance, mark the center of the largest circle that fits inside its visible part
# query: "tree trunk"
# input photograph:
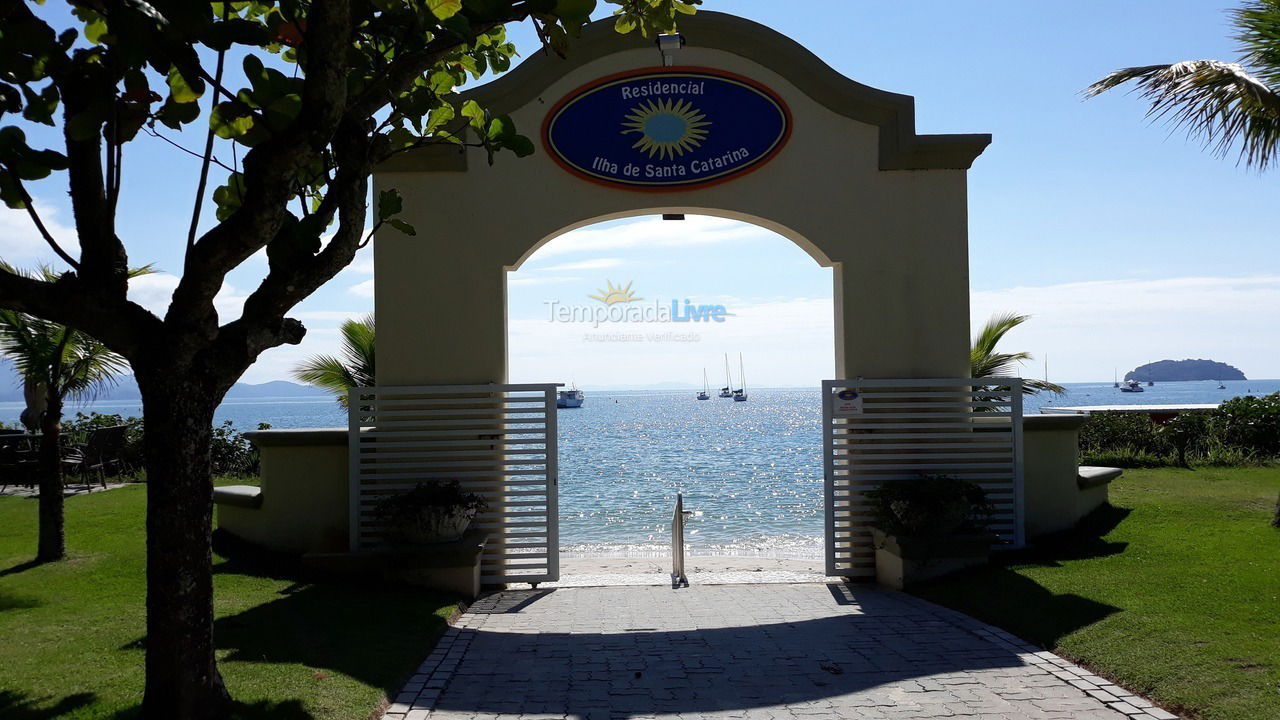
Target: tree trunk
(182, 682)
(52, 543)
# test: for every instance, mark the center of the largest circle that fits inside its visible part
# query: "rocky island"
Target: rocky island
(1183, 370)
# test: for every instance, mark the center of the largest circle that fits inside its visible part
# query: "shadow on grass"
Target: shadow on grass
(262, 710)
(1084, 541)
(10, 601)
(21, 567)
(377, 636)
(1000, 596)
(372, 632)
(19, 706)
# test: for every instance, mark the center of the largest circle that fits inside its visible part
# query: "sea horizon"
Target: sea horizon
(751, 472)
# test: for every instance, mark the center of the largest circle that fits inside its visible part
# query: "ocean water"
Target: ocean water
(751, 472)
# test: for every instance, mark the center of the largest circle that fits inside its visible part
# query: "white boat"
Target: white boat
(705, 392)
(571, 398)
(740, 395)
(1132, 386)
(725, 392)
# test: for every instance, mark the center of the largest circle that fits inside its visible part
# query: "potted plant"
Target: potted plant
(434, 512)
(928, 526)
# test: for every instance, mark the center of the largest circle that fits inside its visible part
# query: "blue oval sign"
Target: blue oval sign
(670, 128)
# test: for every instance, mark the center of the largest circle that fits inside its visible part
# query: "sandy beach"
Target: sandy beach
(700, 569)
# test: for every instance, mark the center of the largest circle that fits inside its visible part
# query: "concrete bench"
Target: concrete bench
(302, 503)
(1090, 476)
(245, 496)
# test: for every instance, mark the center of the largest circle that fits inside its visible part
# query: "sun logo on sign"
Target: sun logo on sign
(610, 295)
(668, 128)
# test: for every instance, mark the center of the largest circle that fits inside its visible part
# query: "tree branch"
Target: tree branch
(270, 171)
(208, 145)
(192, 153)
(121, 325)
(103, 260)
(35, 218)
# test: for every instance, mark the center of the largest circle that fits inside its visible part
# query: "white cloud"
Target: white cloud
(278, 363)
(652, 233)
(1090, 328)
(362, 289)
(155, 291)
(784, 342)
(337, 316)
(521, 279)
(597, 264)
(20, 241)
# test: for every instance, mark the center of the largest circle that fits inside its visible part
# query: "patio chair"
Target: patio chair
(98, 455)
(17, 466)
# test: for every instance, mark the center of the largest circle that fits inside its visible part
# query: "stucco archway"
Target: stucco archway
(854, 186)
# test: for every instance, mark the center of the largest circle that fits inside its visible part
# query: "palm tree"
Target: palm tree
(56, 362)
(985, 362)
(354, 369)
(1221, 103)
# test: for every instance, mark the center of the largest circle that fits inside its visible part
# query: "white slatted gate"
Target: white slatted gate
(900, 429)
(497, 440)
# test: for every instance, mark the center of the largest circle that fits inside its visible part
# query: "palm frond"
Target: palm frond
(358, 348)
(89, 367)
(986, 362)
(29, 342)
(63, 359)
(1219, 103)
(328, 373)
(1259, 35)
(356, 368)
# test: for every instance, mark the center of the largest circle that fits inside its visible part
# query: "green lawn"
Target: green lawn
(1174, 594)
(289, 649)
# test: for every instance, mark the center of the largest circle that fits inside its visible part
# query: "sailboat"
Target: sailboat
(1115, 379)
(740, 395)
(705, 392)
(728, 379)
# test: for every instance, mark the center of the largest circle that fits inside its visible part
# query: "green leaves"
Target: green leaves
(40, 106)
(652, 16)
(496, 133)
(231, 119)
(402, 226)
(175, 115)
(19, 161)
(95, 25)
(296, 241)
(437, 118)
(389, 204)
(575, 12)
(229, 197)
(444, 9)
(183, 89)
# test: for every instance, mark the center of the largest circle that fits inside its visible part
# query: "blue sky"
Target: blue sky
(1126, 243)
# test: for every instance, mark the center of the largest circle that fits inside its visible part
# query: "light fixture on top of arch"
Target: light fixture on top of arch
(668, 44)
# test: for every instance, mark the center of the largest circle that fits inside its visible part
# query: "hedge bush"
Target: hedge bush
(1242, 431)
(230, 452)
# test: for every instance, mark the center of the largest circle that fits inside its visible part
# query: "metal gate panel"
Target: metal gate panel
(901, 429)
(499, 441)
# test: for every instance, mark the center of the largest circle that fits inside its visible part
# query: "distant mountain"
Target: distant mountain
(1183, 370)
(275, 388)
(127, 388)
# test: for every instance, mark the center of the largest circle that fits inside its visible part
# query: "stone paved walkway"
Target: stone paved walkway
(796, 652)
